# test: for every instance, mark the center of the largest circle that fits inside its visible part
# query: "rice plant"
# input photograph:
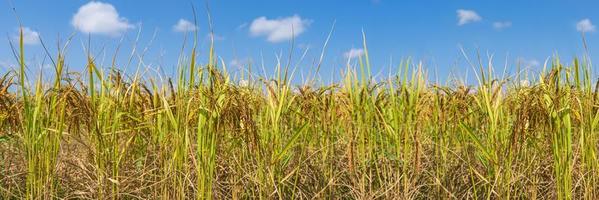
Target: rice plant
(103, 134)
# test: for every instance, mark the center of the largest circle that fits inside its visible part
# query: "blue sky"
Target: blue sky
(427, 31)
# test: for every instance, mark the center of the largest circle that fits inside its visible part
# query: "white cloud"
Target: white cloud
(30, 37)
(100, 18)
(184, 26)
(278, 30)
(467, 16)
(240, 63)
(528, 63)
(502, 25)
(236, 63)
(585, 25)
(353, 53)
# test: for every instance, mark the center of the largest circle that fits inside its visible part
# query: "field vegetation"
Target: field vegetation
(208, 134)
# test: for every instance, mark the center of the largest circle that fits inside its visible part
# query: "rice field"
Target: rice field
(207, 134)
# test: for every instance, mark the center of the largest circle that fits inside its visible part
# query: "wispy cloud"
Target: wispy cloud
(278, 30)
(30, 37)
(304, 46)
(467, 16)
(100, 18)
(502, 25)
(6, 64)
(239, 63)
(353, 53)
(217, 37)
(585, 25)
(184, 26)
(236, 63)
(242, 26)
(527, 62)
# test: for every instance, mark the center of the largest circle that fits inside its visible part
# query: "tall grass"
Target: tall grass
(104, 135)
